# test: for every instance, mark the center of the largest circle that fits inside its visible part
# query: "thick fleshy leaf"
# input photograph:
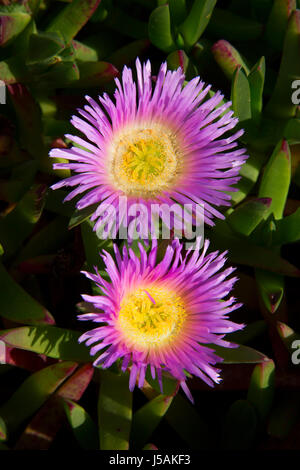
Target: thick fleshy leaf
(114, 411)
(249, 172)
(3, 431)
(277, 22)
(159, 29)
(245, 218)
(73, 17)
(292, 131)
(196, 21)
(280, 105)
(228, 58)
(84, 53)
(30, 124)
(242, 251)
(288, 335)
(240, 95)
(287, 229)
(94, 74)
(83, 427)
(256, 79)
(240, 426)
(33, 392)
(13, 19)
(17, 305)
(43, 47)
(58, 343)
(271, 288)
(61, 74)
(150, 446)
(276, 179)
(239, 355)
(147, 418)
(43, 428)
(177, 59)
(178, 11)
(261, 389)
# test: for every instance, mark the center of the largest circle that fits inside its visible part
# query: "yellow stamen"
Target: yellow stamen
(144, 162)
(151, 317)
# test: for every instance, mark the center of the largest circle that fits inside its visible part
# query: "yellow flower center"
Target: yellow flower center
(151, 317)
(144, 162)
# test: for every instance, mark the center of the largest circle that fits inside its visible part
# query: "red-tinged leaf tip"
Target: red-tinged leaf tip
(3, 432)
(266, 201)
(224, 47)
(48, 318)
(274, 299)
(4, 25)
(285, 148)
(150, 446)
(284, 330)
(181, 59)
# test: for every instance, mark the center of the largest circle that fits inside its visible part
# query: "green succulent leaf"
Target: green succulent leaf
(292, 131)
(159, 29)
(178, 59)
(276, 179)
(239, 354)
(114, 411)
(261, 389)
(271, 288)
(246, 217)
(43, 46)
(94, 74)
(33, 392)
(288, 335)
(147, 418)
(72, 18)
(228, 58)
(280, 105)
(13, 19)
(240, 95)
(58, 343)
(287, 229)
(196, 21)
(256, 79)
(245, 252)
(277, 22)
(83, 427)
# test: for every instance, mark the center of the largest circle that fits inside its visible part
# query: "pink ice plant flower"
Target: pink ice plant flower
(157, 142)
(162, 315)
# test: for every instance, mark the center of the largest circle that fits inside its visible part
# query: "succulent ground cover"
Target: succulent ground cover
(52, 54)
